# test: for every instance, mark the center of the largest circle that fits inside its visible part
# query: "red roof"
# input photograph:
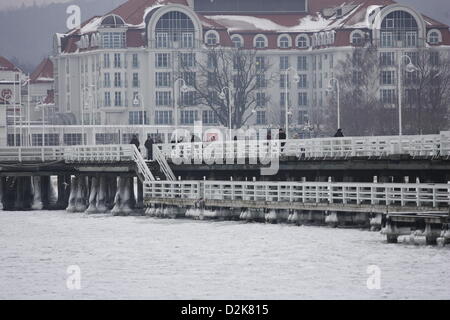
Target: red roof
(6, 65)
(43, 73)
(133, 12)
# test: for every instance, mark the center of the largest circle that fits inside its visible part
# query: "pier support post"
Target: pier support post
(81, 196)
(101, 201)
(332, 219)
(140, 195)
(122, 201)
(37, 194)
(73, 194)
(432, 233)
(93, 196)
(23, 193)
(2, 188)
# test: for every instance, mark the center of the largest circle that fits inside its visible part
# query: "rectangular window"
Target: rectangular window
(188, 98)
(118, 99)
(284, 81)
(187, 40)
(72, 139)
(387, 77)
(162, 40)
(261, 99)
(117, 80)
(107, 99)
(261, 81)
(135, 61)
(163, 79)
(50, 140)
(302, 63)
(135, 118)
(188, 117)
(212, 61)
(388, 96)
(284, 63)
(387, 59)
(163, 98)
(411, 39)
(209, 117)
(261, 118)
(113, 40)
(163, 118)
(107, 80)
(162, 60)
(136, 82)
(283, 98)
(189, 78)
(187, 60)
(434, 58)
(117, 60)
(107, 138)
(302, 99)
(303, 81)
(386, 40)
(260, 63)
(106, 61)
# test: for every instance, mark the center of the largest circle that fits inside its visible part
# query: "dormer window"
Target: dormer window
(434, 36)
(238, 41)
(339, 13)
(212, 38)
(284, 42)
(357, 38)
(260, 42)
(112, 21)
(302, 41)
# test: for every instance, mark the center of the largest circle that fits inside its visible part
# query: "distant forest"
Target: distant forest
(26, 33)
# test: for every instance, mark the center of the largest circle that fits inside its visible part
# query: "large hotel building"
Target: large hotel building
(121, 66)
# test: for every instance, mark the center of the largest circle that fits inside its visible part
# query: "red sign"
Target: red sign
(6, 94)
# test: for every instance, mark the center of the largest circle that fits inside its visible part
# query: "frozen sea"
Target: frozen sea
(145, 258)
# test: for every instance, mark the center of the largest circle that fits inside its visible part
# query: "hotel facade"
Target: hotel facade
(119, 70)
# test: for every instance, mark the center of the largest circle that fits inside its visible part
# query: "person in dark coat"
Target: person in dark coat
(339, 134)
(135, 141)
(149, 146)
(282, 136)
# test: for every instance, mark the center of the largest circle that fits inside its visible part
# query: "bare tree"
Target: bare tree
(236, 69)
(427, 92)
(369, 93)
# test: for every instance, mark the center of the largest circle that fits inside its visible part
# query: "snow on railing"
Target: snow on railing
(164, 165)
(31, 154)
(388, 194)
(100, 154)
(415, 146)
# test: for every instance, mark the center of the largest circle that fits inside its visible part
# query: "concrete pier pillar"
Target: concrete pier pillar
(101, 201)
(111, 192)
(37, 203)
(132, 201)
(73, 194)
(2, 188)
(81, 195)
(432, 233)
(391, 232)
(122, 201)
(376, 221)
(140, 195)
(332, 219)
(93, 196)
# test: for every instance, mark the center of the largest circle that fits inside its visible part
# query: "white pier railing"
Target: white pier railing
(388, 194)
(324, 148)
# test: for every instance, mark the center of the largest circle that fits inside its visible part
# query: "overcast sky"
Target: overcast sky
(438, 9)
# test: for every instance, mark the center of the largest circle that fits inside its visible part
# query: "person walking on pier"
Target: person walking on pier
(135, 141)
(339, 134)
(149, 146)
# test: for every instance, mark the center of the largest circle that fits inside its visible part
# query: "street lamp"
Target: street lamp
(138, 98)
(410, 67)
(184, 89)
(223, 97)
(286, 84)
(40, 105)
(334, 83)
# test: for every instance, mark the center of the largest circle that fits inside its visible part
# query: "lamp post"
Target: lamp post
(334, 83)
(184, 89)
(84, 104)
(223, 97)
(286, 84)
(410, 67)
(140, 99)
(40, 105)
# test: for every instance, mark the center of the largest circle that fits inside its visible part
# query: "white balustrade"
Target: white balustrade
(385, 194)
